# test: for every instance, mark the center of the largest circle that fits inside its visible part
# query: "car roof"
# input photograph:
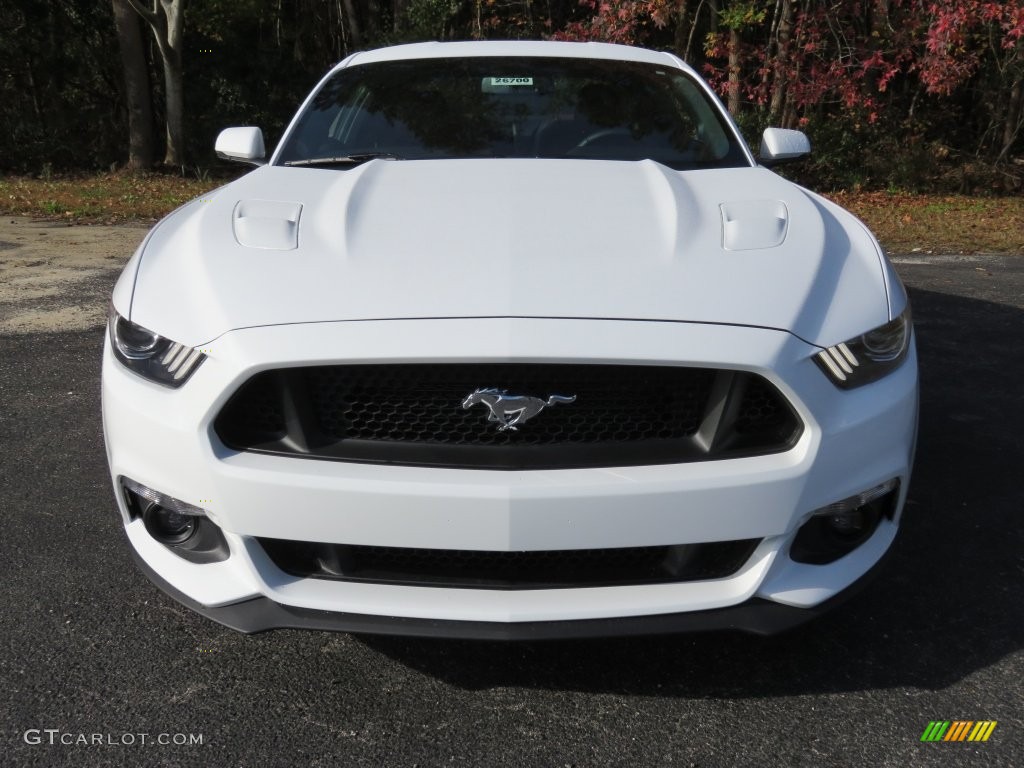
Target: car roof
(557, 49)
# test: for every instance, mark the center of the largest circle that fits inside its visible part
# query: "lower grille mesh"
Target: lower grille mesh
(510, 570)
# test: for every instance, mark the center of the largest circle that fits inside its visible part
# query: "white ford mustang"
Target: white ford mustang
(510, 340)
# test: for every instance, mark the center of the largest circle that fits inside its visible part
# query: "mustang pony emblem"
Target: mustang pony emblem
(511, 410)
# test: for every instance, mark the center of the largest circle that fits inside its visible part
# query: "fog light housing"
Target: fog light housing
(839, 528)
(183, 528)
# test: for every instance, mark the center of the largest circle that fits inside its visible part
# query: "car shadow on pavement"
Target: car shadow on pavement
(949, 602)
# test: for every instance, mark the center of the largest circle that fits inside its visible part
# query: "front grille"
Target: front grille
(423, 403)
(413, 414)
(510, 570)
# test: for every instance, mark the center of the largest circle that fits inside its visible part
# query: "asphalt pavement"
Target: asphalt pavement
(93, 653)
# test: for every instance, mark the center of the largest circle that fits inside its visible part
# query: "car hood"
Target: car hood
(510, 238)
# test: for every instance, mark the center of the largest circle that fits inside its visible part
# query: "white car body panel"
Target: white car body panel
(507, 238)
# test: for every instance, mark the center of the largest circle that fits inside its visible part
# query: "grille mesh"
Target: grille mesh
(762, 409)
(408, 403)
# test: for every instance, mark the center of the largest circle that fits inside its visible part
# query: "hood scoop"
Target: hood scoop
(269, 225)
(753, 224)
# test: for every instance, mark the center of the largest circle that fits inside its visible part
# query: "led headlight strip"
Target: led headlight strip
(867, 357)
(150, 355)
(180, 360)
(839, 361)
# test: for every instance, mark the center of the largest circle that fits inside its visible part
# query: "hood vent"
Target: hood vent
(270, 225)
(752, 224)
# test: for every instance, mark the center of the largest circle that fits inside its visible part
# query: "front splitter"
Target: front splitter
(755, 616)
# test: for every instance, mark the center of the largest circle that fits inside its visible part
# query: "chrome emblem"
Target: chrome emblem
(509, 411)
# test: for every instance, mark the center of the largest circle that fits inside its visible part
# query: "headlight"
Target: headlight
(150, 355)
(867, 357)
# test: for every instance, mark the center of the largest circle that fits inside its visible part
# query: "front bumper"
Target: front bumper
(755, 616)
(851, 441)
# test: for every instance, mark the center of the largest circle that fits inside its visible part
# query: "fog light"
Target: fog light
(848, 523)
(168, 526)
(842, 526)
(183, 528)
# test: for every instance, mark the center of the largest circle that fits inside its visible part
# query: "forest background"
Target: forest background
(897, 96)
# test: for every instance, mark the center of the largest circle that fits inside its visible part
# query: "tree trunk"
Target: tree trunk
(771, 46)
(354, 29)
(397, 13)
(175, 106)
(734, 72)
(167, 20)
(136, 81)
(1014, 118)
(174, 12)
(372, 19)
(780, 76)
(682, 32)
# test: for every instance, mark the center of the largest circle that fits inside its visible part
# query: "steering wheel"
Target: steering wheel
(599, 135)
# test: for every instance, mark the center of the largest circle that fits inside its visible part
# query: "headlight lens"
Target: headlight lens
(867, 357)
(150, 355)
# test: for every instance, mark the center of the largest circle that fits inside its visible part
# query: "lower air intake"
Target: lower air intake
(510, 570)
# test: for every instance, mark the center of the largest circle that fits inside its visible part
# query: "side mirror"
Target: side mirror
(243, 145)
(780, 145)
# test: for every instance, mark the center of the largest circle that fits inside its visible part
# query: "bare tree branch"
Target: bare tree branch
(150, 16)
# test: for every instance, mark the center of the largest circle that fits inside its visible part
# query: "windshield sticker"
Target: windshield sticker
(508, 80)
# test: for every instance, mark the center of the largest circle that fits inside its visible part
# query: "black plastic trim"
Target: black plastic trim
(755, 616)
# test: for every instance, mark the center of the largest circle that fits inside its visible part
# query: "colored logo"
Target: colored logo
(958, 730)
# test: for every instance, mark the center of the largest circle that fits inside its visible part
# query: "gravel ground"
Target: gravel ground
(53, 276)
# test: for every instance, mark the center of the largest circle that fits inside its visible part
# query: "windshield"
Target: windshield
(512, 107)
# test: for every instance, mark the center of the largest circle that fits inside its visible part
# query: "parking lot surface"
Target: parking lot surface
(91, 648)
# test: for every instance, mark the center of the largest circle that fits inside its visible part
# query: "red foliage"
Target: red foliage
(618, 21)
(845, 54)
(961, 33)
